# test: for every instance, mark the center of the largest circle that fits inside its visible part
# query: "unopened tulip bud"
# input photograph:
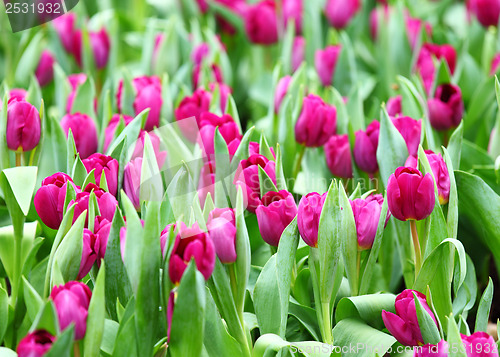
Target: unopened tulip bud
(23, 126)
(221, 227)
(84, 132)
(338, 156)
(308, 215)
(317, 122)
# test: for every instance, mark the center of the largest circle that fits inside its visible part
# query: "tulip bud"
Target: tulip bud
(106, 203)
(366, 216)
(192, 106)
(163, 238)
(90, 248)
(45, 70)
(413, 29)
(308, 215)
(65, 28)
(103, 164)
(23, 126)
(191, 243)
(439, 171)
(275, 213)
(160, 155)
(426, 65)
(394, 106)
(495, 64)
(17, 94)
(72, 303)
(100, 44)
(439, 350)
(247, 177)
(298, 52)
(227, 128)
(317, 122)
(132, 181)
(325, 62)
(49, 199)
(206, 183)
(480, 344)
(411, 130)
(280, 92)
(35, 344)
(486, 11)
(221, 227)
(410, 194)
(102, 227)
(446, 108)
(404, 324)
(84, 132)
(261, 23)
(76, 80)
(365, 148)
(338, 156)
(292, 10)
(109, 132)
(340, 12)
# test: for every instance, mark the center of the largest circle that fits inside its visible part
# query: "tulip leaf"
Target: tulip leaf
(18, 183)
(180, 193)
(72, 153)
(266, 183)
(109, 337)
(84, 98)
(465, 296)
(90, 178)
(96, 313)
(186, 334)
(177, 150)
(28, 62)
(4, 151)
(280, 175)
(452, 216)
(53, 156)
(126, 340)
(270, 344)
(483, 310)
(454, 339)
(46, 319)
(151, 184)
(367, 308)
(223, 179)
(33, 301)
(63, 345)
(242, 151)
(34, 93)
(243, 252)
(455, 145)
(264, 148)
(4, 312)
(428, 327)
(131, 131)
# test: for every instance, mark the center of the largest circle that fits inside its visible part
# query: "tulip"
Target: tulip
(410, 129)
(378, 15)
(102, 227)
(163, 238)
(159, 38)
(84, 132)
(425, 61)
(439, 350)
(247, 177)
(206, 182)
(237, 7)
(410, 194)
(394, 105)
(293, 10)
(221, 225)
(132, 181)
(191, 243)
(170, 313)
(76, 80)
(192, 106)
(439, 171)
(325, 62)
(254, 149)
(160, 155)
(365, 148)
(495, 64)
(413, 29)
(106, 202)
(261, 23)
(103, 164)
(338, 156)
(404, 324)
(317, 122)
(366, 216)
(109, 132)
(480, 344)
(35, 344)
(308, 215)
(100, 44)
(45, 70)
(280, 92)
(340, 12)
(90, 249)
(23, 126)
(65, 28)
(224, 92)
(72, 303)
(49, 199)
(275, 213)
(486, 11)
(227, 128)
(298, 52)
(446, 108)
(18, 94)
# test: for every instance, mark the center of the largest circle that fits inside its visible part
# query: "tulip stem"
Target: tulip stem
(19, 154)
(76, 349)
(298, 162)
(358, 269)
(416, 246)
(327, 323)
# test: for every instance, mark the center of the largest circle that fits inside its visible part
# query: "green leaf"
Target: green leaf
(454, 339)
(452, 217)
(46, 319)
(455, 145)
(269, 343)
(223, 186)
(428, 327)
(20, 182)
(96, 313)
(367, 308)
(33, 301)
(28, 62)
(266, 183)
(131, 131)
(483, 310)
(63, 345)
(84, 98)
(109, 337)
(4, 312)
(243, 253)
(151, 185)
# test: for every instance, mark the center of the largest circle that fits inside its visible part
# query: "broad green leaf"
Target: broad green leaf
(46, 319)
(21, 183)
(455, 146)
(33, 301)
(454, 339)
(270, 344)
(63, 345)
(243, 252)
(428, 327)
(483, 310)
(367, 308)
(96, 314)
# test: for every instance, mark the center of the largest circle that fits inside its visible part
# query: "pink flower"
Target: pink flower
(325, 62)
(365, 148)
(261, 23)
(338, 156)
(84, 132)
(340, 12)
(308, 215)
(221, 225)
(317, 122)
(45, 70)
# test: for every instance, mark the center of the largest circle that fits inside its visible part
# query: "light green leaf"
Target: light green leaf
(95, 319)
(483, 310)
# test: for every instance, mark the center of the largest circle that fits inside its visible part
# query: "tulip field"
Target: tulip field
(250, 178)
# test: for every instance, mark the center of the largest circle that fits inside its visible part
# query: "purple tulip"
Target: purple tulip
(439, 350)
(106, 202)
(410, 194)
(365, 148)
(261, 23)
(23, 126)
(426, 65)
(170, 313)
(366, 216)
(486, 11)
(200, 52)
(275, 213)
(227, 128)
(317, 122)
(298, 52)
(338, 156)
(65, 28)
(160, 155)
(103, 164)
(404, 324)
(192, 106)
(446, 108)
(102, 227)
(35, 344)
(410, 129)
(72, 303)
(340, 12)
(325, 62)
(308, 215)
(100, 43)
(45, 70)
(132, 181)
(280, 92)
(49, 199)
(394, 106)
(191, 243)
(163, 238)
(293, 10)
(90, 249)
(495, 64)
(413, 29)
(76, 80)
(221, 227)
(247, 177)
(109, 132)
(206, 183)
(84, 132)
(480, 344)
(18, 94)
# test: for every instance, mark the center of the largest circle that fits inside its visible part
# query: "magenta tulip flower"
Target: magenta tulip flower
(413, 29)
(293, 10)
(65, 28)
(403, 325)
(102, 227)
(23, 126)
(72, 303)
(365, 148)
(411, 130)
(275, 213)
(325, 62)
(18, 94)
(426, 61)
(298, 52)
(221, 225)
(161, 155)
(90, 249)
(215, 75)
(366, 216)
(480, 344)
(109, 132)
(338, 156)
(308, 215)
(106, 202)
(35, 344)
(206, 183)
(280, 92)
(106, 165)
(340, 12)
(45, 70)
(495, 64)
(486, 11)
(261, 23)
(439, 350)
(317, 122)
(446, 108)
(84, 132)
(394, 106)
(191, 243)
(100, 44)
(227, 128)
(192, 106)
(410, 194)
(132, 181)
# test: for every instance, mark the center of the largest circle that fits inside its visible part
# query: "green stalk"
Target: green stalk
(416, 246)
